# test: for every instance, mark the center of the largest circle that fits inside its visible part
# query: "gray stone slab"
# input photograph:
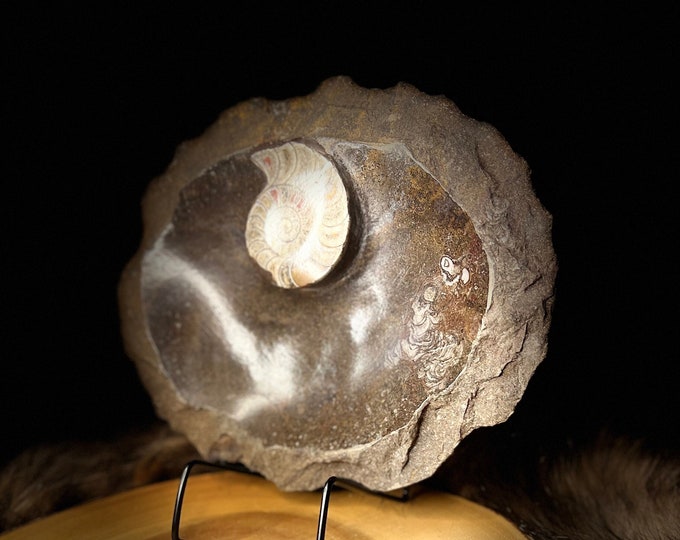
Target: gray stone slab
(346, 283)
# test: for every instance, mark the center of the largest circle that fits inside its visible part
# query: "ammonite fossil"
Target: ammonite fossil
(342, 284)
(297, 227)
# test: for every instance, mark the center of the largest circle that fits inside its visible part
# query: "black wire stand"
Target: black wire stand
(401, 495)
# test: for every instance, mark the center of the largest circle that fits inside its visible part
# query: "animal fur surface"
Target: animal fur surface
(610, 488)
(46, 479)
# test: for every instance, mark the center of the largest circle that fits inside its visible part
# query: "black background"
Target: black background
(96, 99)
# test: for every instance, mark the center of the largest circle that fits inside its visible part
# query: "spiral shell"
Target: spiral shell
(298, 226)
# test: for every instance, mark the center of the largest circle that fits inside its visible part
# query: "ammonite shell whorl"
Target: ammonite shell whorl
(298, 225)
(342, 284)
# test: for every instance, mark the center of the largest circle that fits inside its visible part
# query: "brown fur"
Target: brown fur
(49, 478)
(610, 489)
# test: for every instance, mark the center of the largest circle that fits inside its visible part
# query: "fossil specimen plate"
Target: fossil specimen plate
(346, 283)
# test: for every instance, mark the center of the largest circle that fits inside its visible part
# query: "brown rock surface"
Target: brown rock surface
(426, 324)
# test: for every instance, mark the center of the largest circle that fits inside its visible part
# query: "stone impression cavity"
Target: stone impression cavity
(342, 284)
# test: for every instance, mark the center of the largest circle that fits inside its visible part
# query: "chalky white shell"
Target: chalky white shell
(297, 227)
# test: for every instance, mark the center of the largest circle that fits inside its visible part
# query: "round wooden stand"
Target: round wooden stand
(228, 505)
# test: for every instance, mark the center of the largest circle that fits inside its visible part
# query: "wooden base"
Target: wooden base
(229, 505)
